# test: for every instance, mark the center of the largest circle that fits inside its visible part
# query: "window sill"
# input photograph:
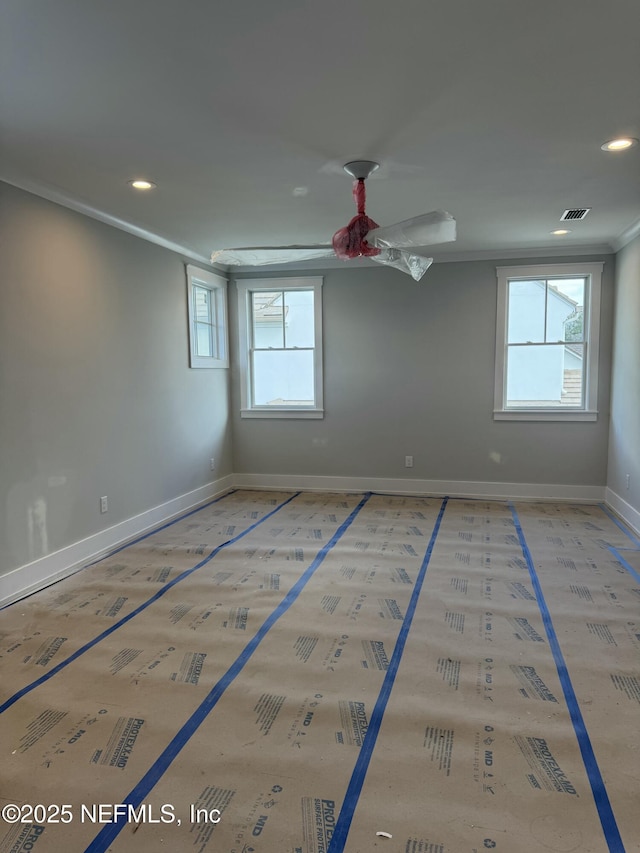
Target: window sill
(297, 414)
(544, 415)
(202, 362)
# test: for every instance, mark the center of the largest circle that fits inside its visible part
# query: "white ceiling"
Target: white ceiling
(494, 110)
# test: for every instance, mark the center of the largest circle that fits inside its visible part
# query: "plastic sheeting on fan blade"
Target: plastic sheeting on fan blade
(425, 230)
(414, 265)
(259, 256)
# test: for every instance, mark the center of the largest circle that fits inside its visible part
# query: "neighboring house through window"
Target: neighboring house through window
(280, 336)
(207, 309)
(547, 337)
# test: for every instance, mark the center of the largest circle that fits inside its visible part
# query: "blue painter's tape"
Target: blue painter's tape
(600, 796)
(616, 553)
(158, 529)
(126, 545)
(110, 831)
(343, 823)
(619, 524)
(56, 669)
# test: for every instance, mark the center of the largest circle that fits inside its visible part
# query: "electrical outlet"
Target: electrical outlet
(212, 464)
(628, 480)
(408, 461)
(104, 504)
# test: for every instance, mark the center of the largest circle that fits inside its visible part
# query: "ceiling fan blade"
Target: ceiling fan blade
(425, 230)
(414, 265)
(256, 256)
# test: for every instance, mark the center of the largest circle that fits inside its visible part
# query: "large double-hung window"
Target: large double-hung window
(547, 342)
(281, 347)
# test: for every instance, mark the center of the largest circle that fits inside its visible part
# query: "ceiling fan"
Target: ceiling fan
(400, 246)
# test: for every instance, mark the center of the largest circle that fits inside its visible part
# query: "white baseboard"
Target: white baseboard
(453, 488)
(46, 570)
(623, 510)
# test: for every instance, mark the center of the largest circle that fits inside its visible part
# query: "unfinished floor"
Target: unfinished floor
(309, 670)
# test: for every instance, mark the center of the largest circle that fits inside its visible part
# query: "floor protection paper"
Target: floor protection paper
(318, 673)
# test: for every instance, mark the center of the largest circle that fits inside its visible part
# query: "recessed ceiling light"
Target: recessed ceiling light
(141, 184)
(560, 232)
(620, 144)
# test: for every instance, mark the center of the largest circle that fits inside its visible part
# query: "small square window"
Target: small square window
(207, 308)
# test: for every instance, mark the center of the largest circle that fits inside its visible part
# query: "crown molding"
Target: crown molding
(565, 250)
(627, 236)
(450, 258)
(58, 197)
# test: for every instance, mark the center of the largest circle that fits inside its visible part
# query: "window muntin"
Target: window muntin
(547, 342)
(281, 340)
(207, 309)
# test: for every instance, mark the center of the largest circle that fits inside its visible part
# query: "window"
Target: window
(280, 338)
(547, 342)
(207, 305)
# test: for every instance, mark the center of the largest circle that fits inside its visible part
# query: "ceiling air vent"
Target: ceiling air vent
(574, 213)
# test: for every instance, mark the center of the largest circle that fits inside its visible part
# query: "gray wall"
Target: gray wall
(624, 436)
(96, 394)
(409, 369)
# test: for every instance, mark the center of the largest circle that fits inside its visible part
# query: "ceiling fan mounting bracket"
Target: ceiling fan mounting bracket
(361, 169)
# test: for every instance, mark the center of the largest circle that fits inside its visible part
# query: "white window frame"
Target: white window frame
(245, 288)
(217, 287)
(592, 272)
